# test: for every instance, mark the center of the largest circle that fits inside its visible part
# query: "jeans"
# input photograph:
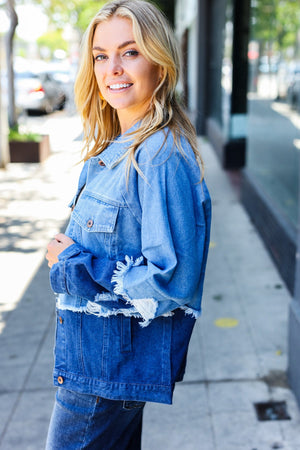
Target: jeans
(83, 421)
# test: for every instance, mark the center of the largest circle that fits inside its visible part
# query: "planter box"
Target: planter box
(29, 152)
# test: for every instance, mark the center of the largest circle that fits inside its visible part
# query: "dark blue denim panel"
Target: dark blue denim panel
(183, 325)
(60, 350)
(67, 349)
(116, 358)
(126, 339)
(116, 349)
(119, 350)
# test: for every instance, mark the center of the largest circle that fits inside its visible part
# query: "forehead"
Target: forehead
(113, 32)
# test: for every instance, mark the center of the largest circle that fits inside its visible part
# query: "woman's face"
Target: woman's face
(126, 79)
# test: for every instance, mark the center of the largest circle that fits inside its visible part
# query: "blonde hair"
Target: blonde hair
(156, 41)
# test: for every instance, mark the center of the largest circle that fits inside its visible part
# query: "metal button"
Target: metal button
(101, 163)
(60, 380)
(60, 320)
(90, 223)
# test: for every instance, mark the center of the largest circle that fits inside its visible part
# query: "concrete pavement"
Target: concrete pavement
(238, 352)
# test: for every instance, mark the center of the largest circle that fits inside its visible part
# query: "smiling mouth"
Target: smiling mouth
(119, 86)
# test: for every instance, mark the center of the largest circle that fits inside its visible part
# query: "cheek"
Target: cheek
(98, 76)
(150, 79)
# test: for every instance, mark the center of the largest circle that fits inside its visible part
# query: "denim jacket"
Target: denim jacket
(135, 272)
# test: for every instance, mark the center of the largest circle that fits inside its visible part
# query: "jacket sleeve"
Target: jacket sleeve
(175, 222)
(79, 272)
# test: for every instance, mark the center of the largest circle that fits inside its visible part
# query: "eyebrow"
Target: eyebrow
(125, 44)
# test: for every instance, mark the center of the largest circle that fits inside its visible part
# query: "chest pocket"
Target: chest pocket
(94, 225)
(94, 215)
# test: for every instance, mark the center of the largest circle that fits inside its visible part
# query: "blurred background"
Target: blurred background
(240, 84)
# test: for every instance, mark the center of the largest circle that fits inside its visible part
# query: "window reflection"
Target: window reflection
(274, 102)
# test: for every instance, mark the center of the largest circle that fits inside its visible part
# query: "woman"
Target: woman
(129, 270)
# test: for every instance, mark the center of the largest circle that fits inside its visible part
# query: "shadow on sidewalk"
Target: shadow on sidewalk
(26, 348)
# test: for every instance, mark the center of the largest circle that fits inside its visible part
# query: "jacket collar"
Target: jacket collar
(112, 155)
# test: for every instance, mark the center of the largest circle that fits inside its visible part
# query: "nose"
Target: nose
(115, 67)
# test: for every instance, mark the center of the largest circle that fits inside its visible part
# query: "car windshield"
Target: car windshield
(26, 75)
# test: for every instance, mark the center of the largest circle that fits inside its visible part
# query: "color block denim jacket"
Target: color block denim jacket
(130, 287)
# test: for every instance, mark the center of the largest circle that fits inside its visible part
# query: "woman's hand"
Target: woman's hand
(56, 246)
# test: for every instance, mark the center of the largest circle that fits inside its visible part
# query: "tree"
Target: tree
(77, 13)
(276, 23)
(52, 40)
(12, 117)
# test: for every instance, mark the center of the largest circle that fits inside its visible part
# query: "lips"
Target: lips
(118, 86)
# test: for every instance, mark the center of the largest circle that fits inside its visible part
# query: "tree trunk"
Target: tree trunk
(12, 117)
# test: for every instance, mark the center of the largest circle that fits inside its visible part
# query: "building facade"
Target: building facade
(241, 84)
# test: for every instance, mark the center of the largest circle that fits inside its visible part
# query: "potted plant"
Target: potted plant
(26, 146)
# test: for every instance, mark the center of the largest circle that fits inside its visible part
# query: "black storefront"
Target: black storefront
(248, 104)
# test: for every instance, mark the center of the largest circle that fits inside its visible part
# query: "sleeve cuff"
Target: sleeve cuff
(70, 251)
(58, 279)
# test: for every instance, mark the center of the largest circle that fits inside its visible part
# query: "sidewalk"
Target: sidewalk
(238, 352)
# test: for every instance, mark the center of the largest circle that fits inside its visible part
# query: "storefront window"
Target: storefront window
(273, 143)
(227, 69)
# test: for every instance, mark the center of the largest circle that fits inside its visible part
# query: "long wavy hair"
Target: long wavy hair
(156, 41)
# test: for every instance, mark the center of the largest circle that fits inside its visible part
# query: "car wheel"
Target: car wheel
(62, 104)
(48, 108)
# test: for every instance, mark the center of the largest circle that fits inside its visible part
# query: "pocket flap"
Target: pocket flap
(94, 215)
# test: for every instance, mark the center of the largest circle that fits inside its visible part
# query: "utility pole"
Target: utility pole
(4, 149)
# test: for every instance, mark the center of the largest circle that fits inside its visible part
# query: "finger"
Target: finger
(59, 237)
(50, 245)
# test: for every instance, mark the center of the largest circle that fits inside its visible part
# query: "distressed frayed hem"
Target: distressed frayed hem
(106, 297)
(65, 307)
(120, 272)
(100, 311)
(146, 307)
(191, 312)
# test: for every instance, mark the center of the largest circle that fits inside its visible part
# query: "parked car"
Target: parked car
(38, 91)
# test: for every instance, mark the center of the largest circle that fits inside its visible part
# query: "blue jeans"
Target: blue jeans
(83, 421)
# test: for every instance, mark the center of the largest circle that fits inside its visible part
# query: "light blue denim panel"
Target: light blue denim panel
(144, 239)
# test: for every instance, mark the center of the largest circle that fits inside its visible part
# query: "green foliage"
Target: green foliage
(15, 134)
(53, 40)
(78, 13)
(276, 21)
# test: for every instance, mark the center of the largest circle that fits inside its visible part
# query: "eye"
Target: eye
(131, 53)
(100, 57)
